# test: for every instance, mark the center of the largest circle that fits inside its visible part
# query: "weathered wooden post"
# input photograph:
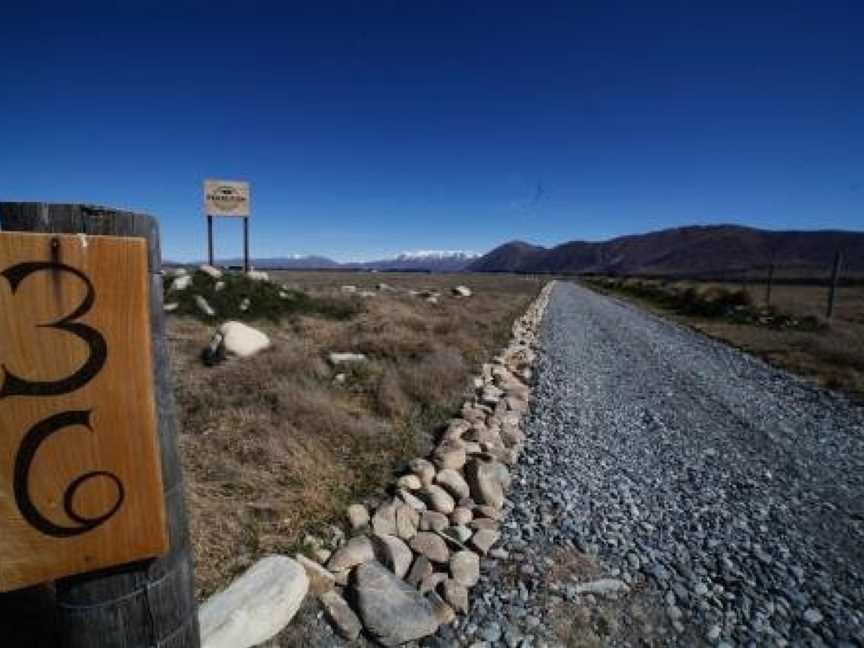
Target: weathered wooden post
(150, 603)
(832, 289)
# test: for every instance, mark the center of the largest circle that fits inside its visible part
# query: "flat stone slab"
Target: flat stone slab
(256, 606)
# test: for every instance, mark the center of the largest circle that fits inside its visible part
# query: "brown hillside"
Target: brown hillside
(708, 250)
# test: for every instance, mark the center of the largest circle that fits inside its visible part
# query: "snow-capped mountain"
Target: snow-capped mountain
(437, 254)
(424, 261)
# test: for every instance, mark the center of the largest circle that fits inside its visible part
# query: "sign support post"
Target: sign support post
(150, 602)
(209, 239)
(245, 244)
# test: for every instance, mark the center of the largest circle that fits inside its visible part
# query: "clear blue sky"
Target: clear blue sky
(369, 128)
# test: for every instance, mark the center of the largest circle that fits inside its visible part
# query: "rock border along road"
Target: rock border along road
(414, 554)
(705, 497)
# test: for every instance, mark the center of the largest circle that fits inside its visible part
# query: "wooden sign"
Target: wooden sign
(80, 480)
(226, 198)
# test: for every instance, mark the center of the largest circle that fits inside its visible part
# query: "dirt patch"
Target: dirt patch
(569, 565)
(637, 619)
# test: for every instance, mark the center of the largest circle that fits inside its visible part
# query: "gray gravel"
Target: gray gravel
(727, 495)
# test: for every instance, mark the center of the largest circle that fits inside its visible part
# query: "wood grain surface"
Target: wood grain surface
(80, 476)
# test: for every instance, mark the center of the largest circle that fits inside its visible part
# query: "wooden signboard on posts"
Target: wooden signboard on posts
(80, 476)
(227, 198)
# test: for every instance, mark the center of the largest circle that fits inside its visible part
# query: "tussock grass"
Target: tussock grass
(792, 333)
(274, 447)
(708, 301)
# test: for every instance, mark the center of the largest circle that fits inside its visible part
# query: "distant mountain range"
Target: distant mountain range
(694, 251)
(707, 251)
(422, 261)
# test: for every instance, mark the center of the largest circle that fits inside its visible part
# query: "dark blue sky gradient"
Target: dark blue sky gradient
(371, 128)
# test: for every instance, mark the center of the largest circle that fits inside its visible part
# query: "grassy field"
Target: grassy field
(793, 333)
(277, 445)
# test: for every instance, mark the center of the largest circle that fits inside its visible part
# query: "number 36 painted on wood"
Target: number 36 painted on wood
(80, 481)
(15, 386)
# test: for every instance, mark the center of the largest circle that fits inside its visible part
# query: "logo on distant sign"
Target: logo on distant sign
(227, 197)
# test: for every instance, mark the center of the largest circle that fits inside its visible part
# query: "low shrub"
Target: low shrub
(709, 302)
(266, 300)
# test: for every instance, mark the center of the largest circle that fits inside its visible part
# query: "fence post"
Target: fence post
(770, 284)
(832, 290)
(151, 603)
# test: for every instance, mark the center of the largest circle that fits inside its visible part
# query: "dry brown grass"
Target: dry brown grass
(274, 449)
(832, 356)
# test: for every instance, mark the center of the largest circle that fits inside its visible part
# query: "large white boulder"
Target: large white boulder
(242, 340)
(209, 270)
(181, 282)
(256, 606)
(204, 306)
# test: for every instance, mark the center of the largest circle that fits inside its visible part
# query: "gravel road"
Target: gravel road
(725, 495)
